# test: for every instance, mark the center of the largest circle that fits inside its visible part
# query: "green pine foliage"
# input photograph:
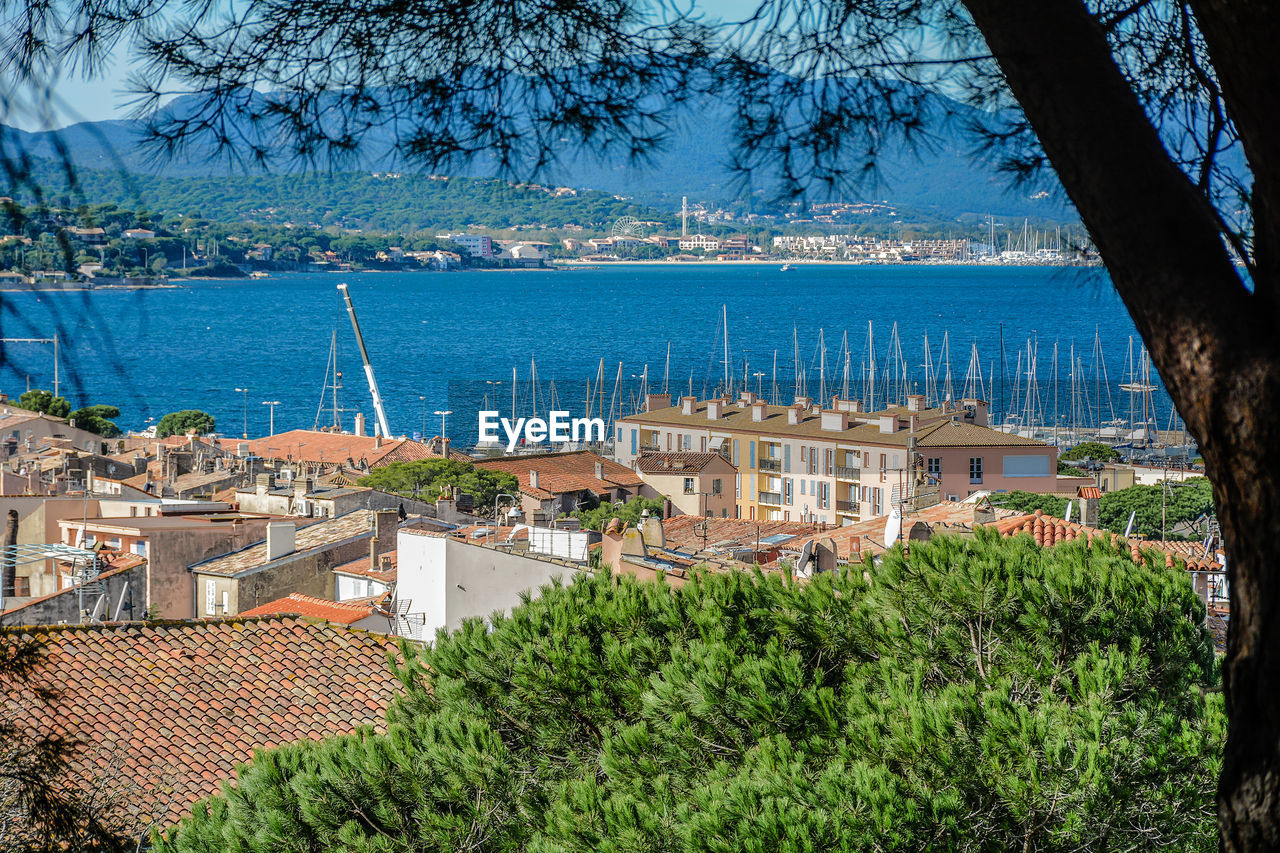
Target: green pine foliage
(97, 419)
(180, 423)
(1179, 506)
(40, 400)
(428, 479)
(979, 694)
(630, 512)
(1028, 502)
(1095, 450)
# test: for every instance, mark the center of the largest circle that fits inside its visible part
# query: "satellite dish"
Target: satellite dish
(806, 554)
(893, 527)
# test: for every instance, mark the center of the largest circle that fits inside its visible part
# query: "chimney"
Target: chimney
(653, 402)
(913, 422)
(359, 423)
(888, 423)
(714, 409)
(9, 582)
(794, 413)
(804, 402)
(263, 484)
(533, 478)
(758, 409)
(444, 448)
(386, 522)
(88, 479)
(915, 402)
(280, 539)
(687, 404)
(373, 552)
(303, 486)
(835, 421)
(242, 448)
(377, 439)
(747, 398)
(599, 470)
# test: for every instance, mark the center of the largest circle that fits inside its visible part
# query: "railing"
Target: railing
(771, 498)
(770, 465)
(846, 473)
(846, 506)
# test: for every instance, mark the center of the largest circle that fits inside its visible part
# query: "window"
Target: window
(688, 441)
(786, 491)
(813, 460)
(703, 442)
(877, 501)
(802, 492)
(715, 486)
(975, 469)
(751, 458)
(140, 548)
(210, 597)
(786, 459)
(737, 486)
(883, 463)
(831, 462)
(802, 455)
(935, 467)
(735, 451)
(635, 440)
(688, 485)
(226, 603)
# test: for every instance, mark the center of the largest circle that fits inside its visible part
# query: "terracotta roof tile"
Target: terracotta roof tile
(676, 462)
(310, 607)
(302, 445)
(184, 703)
(559, 473)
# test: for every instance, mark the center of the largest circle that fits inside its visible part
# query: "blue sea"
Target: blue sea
(443, 340)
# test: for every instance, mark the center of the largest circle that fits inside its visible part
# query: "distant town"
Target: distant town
(106, 245)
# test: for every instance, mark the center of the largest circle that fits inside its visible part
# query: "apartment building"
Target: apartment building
(839, 465)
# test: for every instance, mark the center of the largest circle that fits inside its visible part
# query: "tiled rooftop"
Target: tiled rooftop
(321, 534)
(302, 445)
(559, 473)
(310, 607)
(681, 531)
(676, 462)
(934, 433)
(181, 704)
(361, 567)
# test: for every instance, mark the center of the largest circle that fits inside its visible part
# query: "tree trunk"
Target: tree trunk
(1214, 342)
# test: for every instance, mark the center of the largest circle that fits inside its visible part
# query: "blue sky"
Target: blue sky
(106, 96)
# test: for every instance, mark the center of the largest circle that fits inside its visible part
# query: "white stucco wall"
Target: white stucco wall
(447, 581)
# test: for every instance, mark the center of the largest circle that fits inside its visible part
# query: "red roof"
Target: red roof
(1048, 530)
(304, 445)
(310, 607)
(175, 706)
(560, 473)
(360, 566)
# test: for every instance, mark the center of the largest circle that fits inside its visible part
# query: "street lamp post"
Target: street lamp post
(245, 392)
(272, 403)
(443, 413)
(423, 398)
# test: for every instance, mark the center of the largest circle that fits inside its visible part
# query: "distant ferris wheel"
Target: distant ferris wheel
(627, 226)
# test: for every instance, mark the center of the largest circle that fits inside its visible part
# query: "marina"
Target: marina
(873, 334)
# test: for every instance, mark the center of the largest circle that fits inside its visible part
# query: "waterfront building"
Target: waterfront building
(552, 484)
(699, 484)
(838, 465)
(477, 245)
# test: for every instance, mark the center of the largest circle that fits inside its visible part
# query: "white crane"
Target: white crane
(368, 368)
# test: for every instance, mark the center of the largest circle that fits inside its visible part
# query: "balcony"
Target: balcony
(847, 507)
(771, 498)
(845, 473)
(773, 465)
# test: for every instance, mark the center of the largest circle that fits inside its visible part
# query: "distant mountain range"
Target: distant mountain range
(944, 179)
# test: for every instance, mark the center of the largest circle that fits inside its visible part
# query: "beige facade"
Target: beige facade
(693, 483)
(840, 464)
